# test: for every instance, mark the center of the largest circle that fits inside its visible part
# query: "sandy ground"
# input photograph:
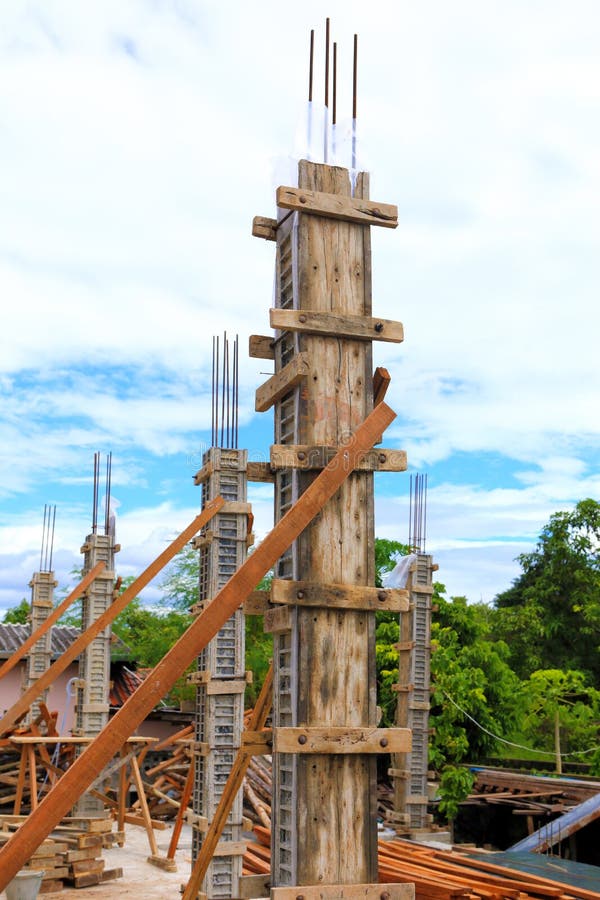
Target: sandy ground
(140, 878)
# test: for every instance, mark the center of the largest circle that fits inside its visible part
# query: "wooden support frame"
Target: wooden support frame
(85, 768)
(337, 325)
(282, 382)
(304, 456)
(391, 891)
(341, 740)
(80, 643)
(338, 206)
(52, 618)
(265, 228)
(338, 596)
(260, 346)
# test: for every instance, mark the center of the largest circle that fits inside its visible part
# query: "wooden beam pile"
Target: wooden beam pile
(72, 855)
(440, 874)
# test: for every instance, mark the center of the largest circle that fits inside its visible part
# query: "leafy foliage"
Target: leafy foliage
(552, 610)
(17, 615)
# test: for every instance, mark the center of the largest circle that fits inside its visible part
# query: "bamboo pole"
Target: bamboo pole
(93, 759)
(52, 618)
(103, 621)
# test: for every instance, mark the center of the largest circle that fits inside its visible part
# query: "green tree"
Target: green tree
(562, 712)
(552, 610)
(475, 694)
(17, 615)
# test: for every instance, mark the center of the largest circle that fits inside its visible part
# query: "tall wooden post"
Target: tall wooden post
(324, 803)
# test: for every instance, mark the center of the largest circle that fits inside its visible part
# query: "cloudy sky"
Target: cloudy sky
(138, 138)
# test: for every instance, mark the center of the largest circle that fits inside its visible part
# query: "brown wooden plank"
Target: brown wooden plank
(257, 603)
(260, 346)
(338, 206)
(338, 596)
(263, 227)
(340, 739)
(85, 768)
(282, 382)
(391, 891)
(337, 325)
(305, 456)
(260, 471)
(381, 382)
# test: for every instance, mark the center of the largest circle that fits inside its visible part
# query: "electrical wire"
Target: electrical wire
(511, 743)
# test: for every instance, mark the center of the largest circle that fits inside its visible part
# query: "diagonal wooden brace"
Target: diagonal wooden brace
(110, 740)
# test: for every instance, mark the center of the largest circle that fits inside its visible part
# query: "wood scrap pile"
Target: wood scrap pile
(440, 874)
(72, 855)
(164, 782)
(530, 794)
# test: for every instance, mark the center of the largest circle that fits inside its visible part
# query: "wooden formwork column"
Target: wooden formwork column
(220, 678)
(42, 587)
(324, 807)
(92, 697)
(409, 772)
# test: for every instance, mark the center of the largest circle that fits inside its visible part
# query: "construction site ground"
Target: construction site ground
(140, 878)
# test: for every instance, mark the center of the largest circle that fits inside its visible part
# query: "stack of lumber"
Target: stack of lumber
(531, 793)
(72, 854)
(440, 874)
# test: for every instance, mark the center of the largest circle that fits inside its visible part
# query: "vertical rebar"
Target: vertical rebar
(49, 567)
(354, 100)
(325, 121)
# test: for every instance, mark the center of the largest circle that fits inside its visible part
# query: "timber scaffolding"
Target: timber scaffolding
(329, 414)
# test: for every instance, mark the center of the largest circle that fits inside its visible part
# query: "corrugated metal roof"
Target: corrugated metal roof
(12, 636)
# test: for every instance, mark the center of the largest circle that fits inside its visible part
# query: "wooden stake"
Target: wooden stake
(52, 618)
(93, 759)
(102, 622)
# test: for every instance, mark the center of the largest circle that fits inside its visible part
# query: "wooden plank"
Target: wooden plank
(282, 382)
(260, 471)
(220, 686)
(204, 473)
(263, 227)
(277, 620)
(338, 206)
(260, 346)
(85, 768)
(337, 325)
(52, 618)
(254, 886)
(339, 739)
(304, 456)
(103, 621)
(257, 603)
(391, 891)
(338, 596)
(381, 382)
(257, 743)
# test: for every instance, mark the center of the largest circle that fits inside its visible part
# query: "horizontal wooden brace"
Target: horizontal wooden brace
(254, 886)
(260, 471)
(257, 603)
(402, 774)
(403, 646)
(342, 740)
(218, 686)
(421, 588)
(260, 346)
(304, 456)
(338, 206)
(345, 892)
(204, 473)
(278, 619)
(282, 382)
(337, 325)
(202, 540)
(236, 508)
(230, 848)
(338, 596)
(403, 688)
(263, 227)
(257, 743)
